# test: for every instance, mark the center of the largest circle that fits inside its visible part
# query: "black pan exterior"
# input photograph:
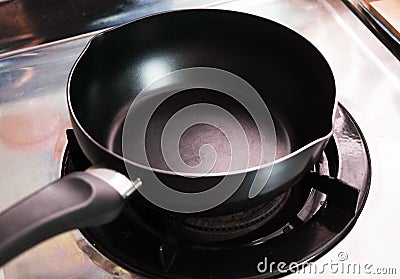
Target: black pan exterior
(289, 73)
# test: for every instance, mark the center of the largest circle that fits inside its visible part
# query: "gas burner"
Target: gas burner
(202, 229)
(299, 225)
(233, 225)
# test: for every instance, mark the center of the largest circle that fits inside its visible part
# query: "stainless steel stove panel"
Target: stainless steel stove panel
(33, 119)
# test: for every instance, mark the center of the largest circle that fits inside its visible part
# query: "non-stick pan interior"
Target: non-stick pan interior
(197, 136)
(290, 75)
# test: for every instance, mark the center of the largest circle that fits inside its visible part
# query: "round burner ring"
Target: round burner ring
(234, 225)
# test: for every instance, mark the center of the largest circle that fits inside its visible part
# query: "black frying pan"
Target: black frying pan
(291, 77)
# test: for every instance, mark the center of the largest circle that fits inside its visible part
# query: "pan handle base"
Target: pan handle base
(80, 199)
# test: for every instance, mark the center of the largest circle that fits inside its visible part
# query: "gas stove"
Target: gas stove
(176, 245)
(300, 233)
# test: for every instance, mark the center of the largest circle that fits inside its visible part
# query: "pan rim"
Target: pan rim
(211, 174)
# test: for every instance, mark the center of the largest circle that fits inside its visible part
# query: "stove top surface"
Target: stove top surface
(34, 117)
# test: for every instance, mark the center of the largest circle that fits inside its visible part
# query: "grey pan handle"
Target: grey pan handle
(80, 199)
